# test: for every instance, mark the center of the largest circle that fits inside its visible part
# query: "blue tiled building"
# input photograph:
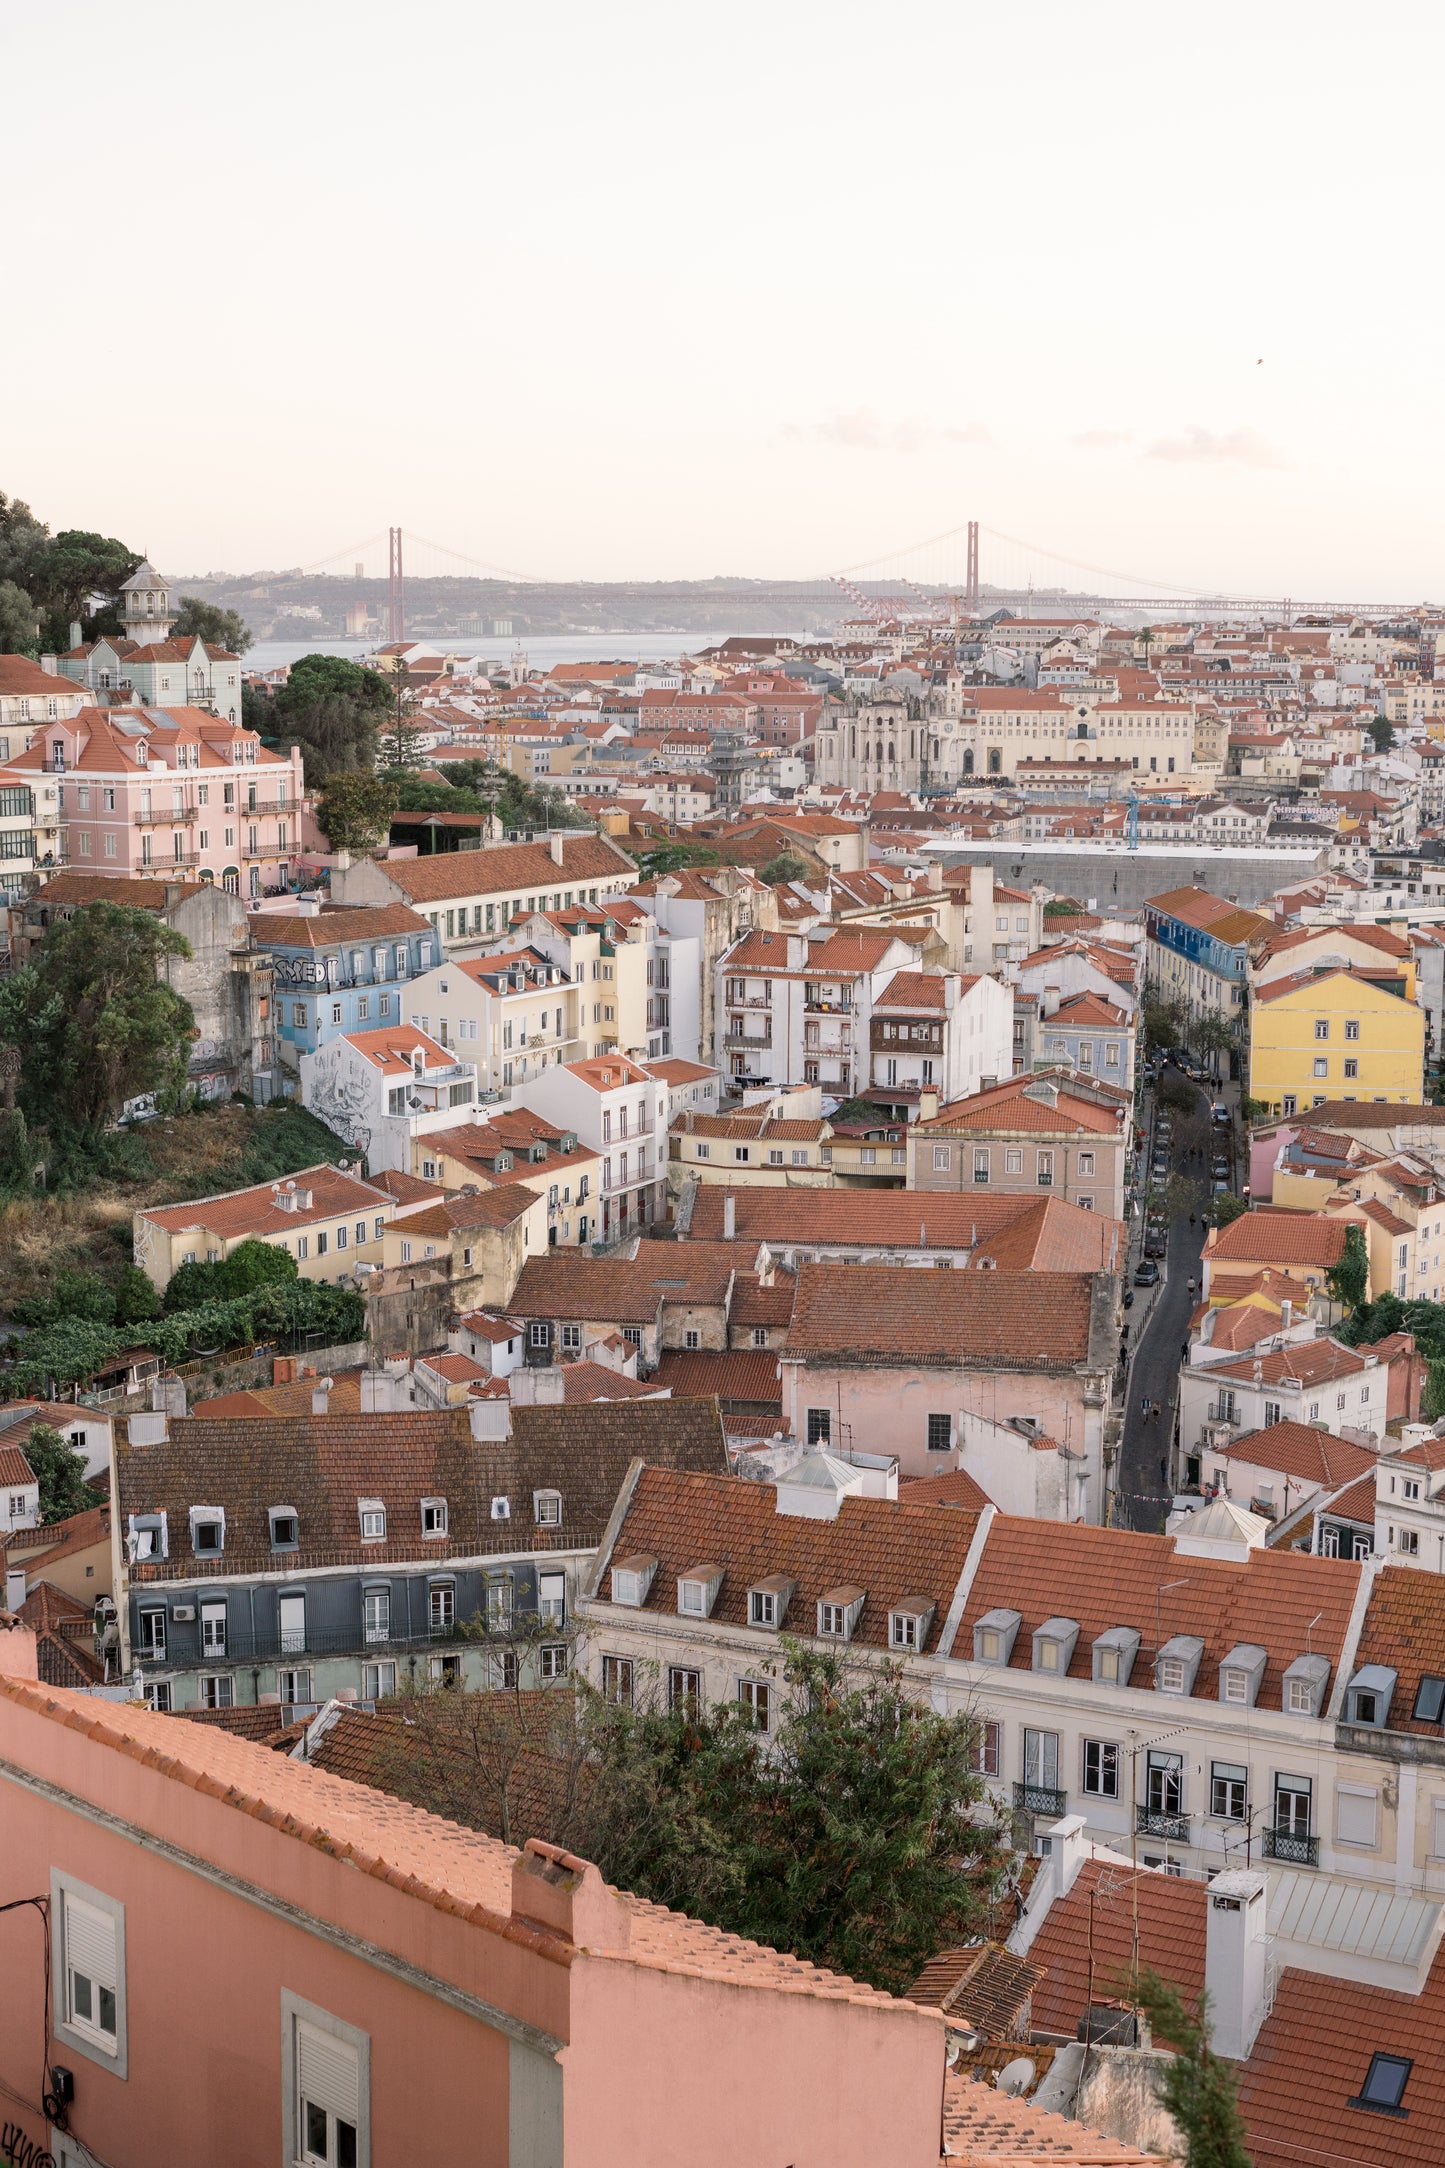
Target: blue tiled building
(340, 970)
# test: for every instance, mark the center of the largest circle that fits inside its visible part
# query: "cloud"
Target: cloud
(1100, 440)
(1220, 447)
(863, 429)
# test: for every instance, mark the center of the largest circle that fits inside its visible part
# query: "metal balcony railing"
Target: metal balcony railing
(183, 1646)
(1040, 1799)
(1173, 1826)
(1295, 1850)
(161, 816)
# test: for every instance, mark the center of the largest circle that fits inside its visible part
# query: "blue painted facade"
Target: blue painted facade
(355, 983)
(1227, 960)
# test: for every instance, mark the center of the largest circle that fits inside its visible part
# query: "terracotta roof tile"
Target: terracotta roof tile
(1030, 1229)
(1278, 1238)
(1172, 1914)
(255, 1211)
(1302, 1450)
(735, 1374)
(333, 927)
(509, 869)
(628, 1290)
(955, 1487)
(887, 1313)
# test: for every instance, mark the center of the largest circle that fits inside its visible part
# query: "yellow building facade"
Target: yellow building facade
(1334, 1035)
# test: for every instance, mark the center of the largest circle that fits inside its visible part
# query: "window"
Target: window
(1352, 1027)
(684, 1689)
(295, 1685)
(1169, 1674)
(153, 1637)
(88, 1971)
(547, 1508)
(1164, 1783)
(1384, 2086)
(373, 1520)
(903, 1629)
(942, 1158)
(1355, 1814)
(980, 1163)
(158, 1695)
(376, 1614)
(285, 1528)
(760, 1336)
(1086, 1163)
(820, 1426)
(756, 1697)
(1322, 1027)
(1322, 1068)
(433, 1516)
(218, 1691)
(213, 1629)
(1046, 1169)
(1352, 1068)
(1101, 1768)
(552, 1597)
(441, 1607)
(539, 1334)
(326, 2088)
(208, 1531)
(1429, 1700)
(378, 1681)
(986, 1750)
(1271, 1413)
(940, 1433)
(617, 1679)
(1229, 1789)
(1041, 1759)
(692, 1339)
(1292, 1806)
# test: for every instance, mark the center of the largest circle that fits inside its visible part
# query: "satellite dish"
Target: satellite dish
(1016, 2077)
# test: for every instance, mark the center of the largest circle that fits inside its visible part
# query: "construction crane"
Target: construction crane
(883, 610)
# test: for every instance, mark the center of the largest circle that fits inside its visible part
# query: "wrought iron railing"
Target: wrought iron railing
(1291, 1847)
(1175, 1827)
(1040, 1799)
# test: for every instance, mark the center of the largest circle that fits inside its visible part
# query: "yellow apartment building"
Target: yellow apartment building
(1339, 1034)
(330, 1222)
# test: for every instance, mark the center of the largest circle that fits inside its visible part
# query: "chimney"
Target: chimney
(555, 842)
(14, 1588)
(566, 1896)
(321, 1397)
(1234, 1954)
(283, 1369)
(935, 876)
(730, 1217)
(18, 1658)
(1286, 1314)
(928, 1104)
(491, 1421)
(543, 1387)
(378, 1393)
(75, 632)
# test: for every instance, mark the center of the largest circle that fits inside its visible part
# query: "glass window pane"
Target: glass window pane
(316, 2132)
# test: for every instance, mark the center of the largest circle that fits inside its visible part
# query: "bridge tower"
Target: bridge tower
(396, 587)
(970, 592)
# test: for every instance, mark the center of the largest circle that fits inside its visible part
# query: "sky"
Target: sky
(654, 291)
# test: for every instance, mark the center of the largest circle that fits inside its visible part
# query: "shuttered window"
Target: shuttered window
(328, 2085)
(88, 1976)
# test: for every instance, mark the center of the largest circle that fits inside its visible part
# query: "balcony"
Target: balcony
(1174, 1827)
(170, 864)
(815, 1006)
(165, 817)
(747, 1001)
(1040, 1799)
(1290, 1847)
(745, 1042)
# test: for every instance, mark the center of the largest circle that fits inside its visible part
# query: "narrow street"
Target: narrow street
(1159, 1323)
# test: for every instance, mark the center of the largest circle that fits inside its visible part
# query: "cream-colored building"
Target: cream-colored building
(330, 1221)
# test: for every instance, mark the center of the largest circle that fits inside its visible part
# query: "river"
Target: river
(543, 653)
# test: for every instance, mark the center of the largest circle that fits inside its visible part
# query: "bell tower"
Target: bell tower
(145, 607)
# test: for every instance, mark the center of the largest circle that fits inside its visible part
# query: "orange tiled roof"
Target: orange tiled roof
(255, 1211)
(893, 1313)
(1302, 1450)
(1172, 1915)
(1278, 1238)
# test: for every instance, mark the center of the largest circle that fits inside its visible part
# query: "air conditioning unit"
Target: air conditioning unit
(183, 1613)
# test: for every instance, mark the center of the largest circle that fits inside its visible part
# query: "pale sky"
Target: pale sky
(656, 290)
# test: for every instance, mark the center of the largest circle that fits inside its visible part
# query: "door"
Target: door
(293, 1625)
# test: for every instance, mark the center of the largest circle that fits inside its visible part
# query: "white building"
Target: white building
(511, 1015)
(620, 1110)
(382, 1089)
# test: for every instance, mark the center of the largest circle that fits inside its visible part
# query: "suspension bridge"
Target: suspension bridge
(965, 571)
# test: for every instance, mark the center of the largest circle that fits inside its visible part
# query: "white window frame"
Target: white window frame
(437, 1508)
(294, 2014)
(83, 2039)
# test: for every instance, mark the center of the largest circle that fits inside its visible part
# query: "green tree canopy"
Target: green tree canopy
(251, 1265)
(69, 1352)
(19, 621)
(1382, 732)
(103, 1026)
(76, 565)
(333, 709)
(784, 868)
(197, 620)
(60, 1471)
(355, 809)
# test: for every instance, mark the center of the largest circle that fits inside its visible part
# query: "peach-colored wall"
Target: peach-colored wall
(886, 1410)
(660, 2068)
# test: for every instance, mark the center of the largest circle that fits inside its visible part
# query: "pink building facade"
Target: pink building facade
(253, 1961)
(175, 792)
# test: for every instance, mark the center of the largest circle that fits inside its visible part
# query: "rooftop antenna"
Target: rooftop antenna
(1310, 1629)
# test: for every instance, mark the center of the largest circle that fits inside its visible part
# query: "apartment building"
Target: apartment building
(943, 1031)
(382, 1090)
(326, 1217)
(898, 742)
(472, 896)
(1303, 1377)
(888, 1359)
(1198, 948)
(1056, 1135)
(400, 1972)
(341, 970)
(643, 981)
(307, 1555)
(797, 1008)
(1193, 1697)
(992, 1231)
(1317, 1035)
(715, 906)
(513, 1014)
(618, 1110)
(502, 1146)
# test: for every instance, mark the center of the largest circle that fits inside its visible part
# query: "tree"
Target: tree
(847, 1837)
(207, 621)
(76, 565)
(333, 709)
(1224, 1208)
(19, 621)
(355, 809)
(1197, 2087)
(1181, 1195)
(1382, 732)
(251, 1266)
(1213, 1034)
(136, 1299)
(400, 743)
(60, 1471)
(784, 868)
(103, 1025)
(675, 858)
(1163, 1024)
(1349, 1280)
(69, 1352)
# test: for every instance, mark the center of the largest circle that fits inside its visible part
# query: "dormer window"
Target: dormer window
(433, 1516)
(909, 1621)
(501, 1509)
(1240, 1674)
(148, 1537)
(1054, 1645)
(993, 1636)
(697, 1590)
(547, 1508)
(839, 1610)
(632, 1579)
(1305, 1681)
(1114, 1654)
(768, 1600)
(1368, 1696)
(285, 1528)
(208, 1531)
(1176, 1664)
(373, 1520)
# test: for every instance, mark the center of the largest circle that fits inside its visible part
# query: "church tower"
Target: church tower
(145, 607)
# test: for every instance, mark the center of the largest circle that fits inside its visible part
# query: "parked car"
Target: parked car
(1146, 1274)
(1223, 1189)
